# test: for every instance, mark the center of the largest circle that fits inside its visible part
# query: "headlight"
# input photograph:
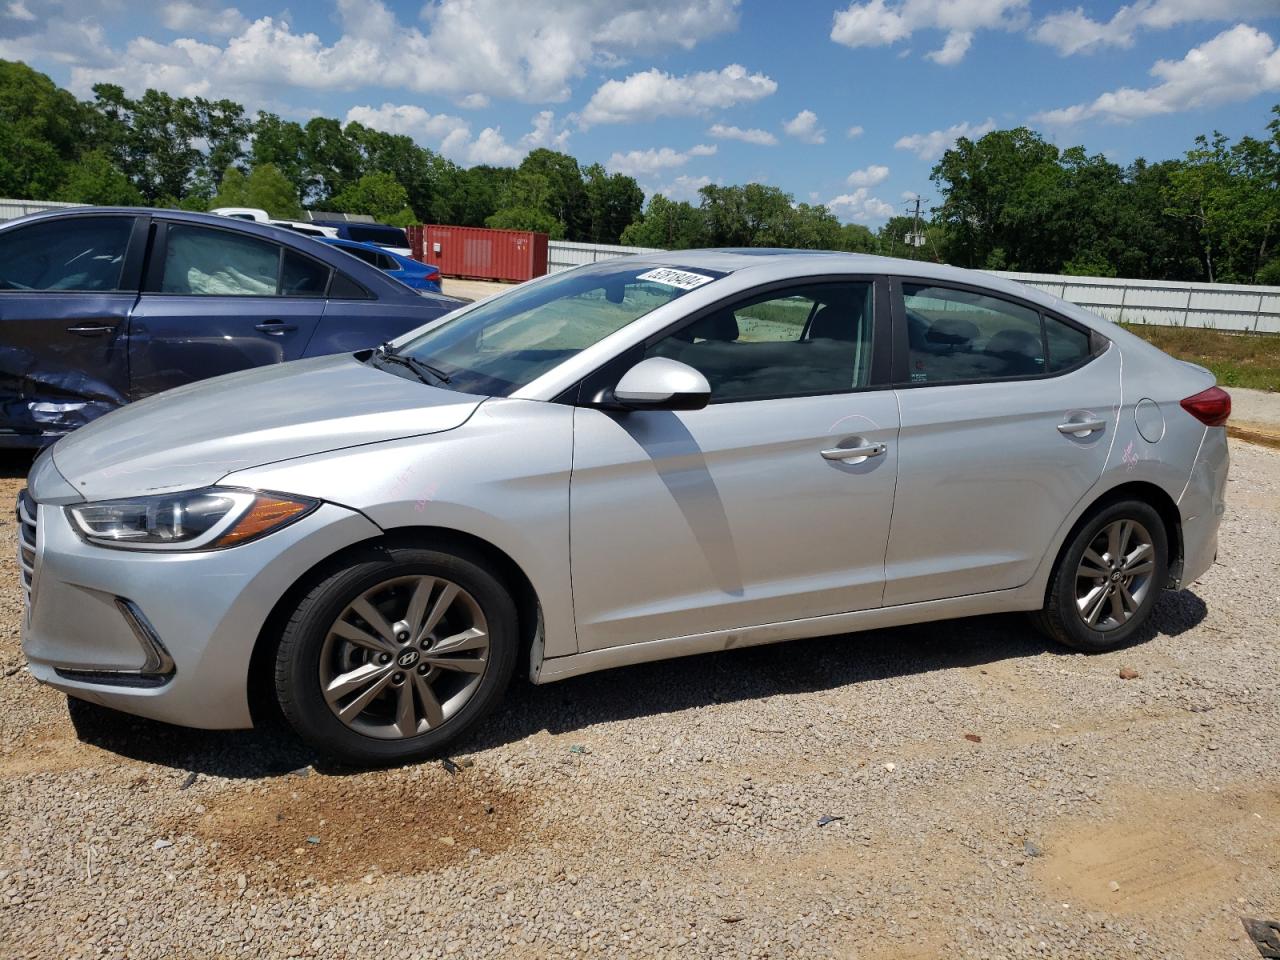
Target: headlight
(193, 520)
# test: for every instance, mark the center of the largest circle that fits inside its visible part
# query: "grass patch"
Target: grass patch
(1249, 360)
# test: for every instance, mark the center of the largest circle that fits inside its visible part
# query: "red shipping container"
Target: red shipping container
(478, 253)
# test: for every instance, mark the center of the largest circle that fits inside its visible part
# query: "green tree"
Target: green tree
(283, 144)
(751, 215)
(526, 218)
(42, 129)
(528, 202)
(264, 187)
(95, 179)
(667, 224)
(613, 201)
(561, 194)
(152, 139)
(378, 195)
(331, 160)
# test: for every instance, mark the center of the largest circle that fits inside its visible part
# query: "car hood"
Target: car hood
(197, 434)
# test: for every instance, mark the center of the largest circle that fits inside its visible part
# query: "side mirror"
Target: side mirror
(660, 383)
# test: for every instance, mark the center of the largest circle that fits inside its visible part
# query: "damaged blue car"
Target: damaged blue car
(101, 306)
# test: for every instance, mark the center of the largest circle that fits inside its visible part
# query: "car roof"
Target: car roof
(780, 261)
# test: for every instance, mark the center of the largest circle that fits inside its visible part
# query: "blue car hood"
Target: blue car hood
(195, 435)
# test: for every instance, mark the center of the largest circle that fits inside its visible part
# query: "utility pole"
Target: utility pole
(916, 237)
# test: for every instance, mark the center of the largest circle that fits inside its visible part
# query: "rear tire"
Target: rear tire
(396, 655)
(1107, 579)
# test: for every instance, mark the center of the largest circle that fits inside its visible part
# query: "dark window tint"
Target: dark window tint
(960, 335)
(344, 288)
(804, 341)
(1067, 345)
(69, 253)
(205, 261)
(371, 233)
(302, 277)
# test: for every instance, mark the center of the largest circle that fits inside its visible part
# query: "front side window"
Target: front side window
(807, 340)
(956, 335)
(65, 254)
(508, 342)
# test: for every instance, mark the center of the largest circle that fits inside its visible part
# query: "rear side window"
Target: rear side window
(1067, 345)
(65, 254)
(208, 262)
(202, 261)
(960, 335)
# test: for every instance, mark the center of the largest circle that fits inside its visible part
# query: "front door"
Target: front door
(745, 512)
(1008, 414)
(217, 301)
(67, 287)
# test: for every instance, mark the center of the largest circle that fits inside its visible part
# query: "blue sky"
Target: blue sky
(844, 103)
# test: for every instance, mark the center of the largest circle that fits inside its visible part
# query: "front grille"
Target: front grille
(26, 543)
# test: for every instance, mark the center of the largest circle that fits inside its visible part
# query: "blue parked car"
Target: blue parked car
(420, 276)
(100, 306)
(361, 231)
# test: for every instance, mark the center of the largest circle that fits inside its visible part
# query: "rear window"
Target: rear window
(376, 233)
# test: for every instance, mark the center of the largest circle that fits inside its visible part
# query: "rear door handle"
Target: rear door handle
(855, 453)
(1081, 428)
(275, 327)
(91, 329)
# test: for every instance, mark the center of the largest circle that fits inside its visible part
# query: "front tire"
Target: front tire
(394, 656)
(1107, 578)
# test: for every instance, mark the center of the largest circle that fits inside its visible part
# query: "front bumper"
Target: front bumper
(165, 635)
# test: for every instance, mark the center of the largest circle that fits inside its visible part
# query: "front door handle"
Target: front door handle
(856, 454)
(91, 329)
(275, 327)
(1081, 428)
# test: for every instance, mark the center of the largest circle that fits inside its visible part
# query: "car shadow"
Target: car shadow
(644, 690)
(15, 464)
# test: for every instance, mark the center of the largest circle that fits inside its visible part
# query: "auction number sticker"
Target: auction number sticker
(676, 278)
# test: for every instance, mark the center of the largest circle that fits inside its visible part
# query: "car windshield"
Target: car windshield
(500, 346)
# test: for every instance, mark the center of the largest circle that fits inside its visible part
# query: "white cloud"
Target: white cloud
(953, 48)
(930, 146)
(760, 137)
(184, 16)
(1235, 65)
(639, 163)
(463, 48)
(19, 11)
(683, 187)
(804, 126)
(654, 93)
(871, 176)
(877, 23)
(452, 135)
(1073, 31)
(854, 131)
(860, 206)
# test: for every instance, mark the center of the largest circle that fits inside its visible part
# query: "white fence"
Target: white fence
(1223, 306)
(12, 209)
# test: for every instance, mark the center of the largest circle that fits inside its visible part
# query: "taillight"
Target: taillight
(434, 275)
(1211, 407)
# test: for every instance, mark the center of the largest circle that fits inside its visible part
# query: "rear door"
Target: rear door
(217, 300)
(1008, 413)
(67, 287)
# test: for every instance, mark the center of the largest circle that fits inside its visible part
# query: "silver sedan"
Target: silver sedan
(644, 458)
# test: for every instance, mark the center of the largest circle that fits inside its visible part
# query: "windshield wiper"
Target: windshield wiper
(424, 371)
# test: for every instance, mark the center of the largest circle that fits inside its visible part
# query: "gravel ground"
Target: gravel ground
(994, 798)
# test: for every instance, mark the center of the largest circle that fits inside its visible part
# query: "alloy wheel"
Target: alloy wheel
(1114, 576)
(404, 657)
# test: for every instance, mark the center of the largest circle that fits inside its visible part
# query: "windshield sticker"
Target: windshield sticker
(676, 278)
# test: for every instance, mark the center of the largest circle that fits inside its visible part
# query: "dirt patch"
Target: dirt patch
(342, 828)
(1185, 854)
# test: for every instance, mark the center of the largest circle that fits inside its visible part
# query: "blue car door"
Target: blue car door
(217, 300)
(68, 284)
